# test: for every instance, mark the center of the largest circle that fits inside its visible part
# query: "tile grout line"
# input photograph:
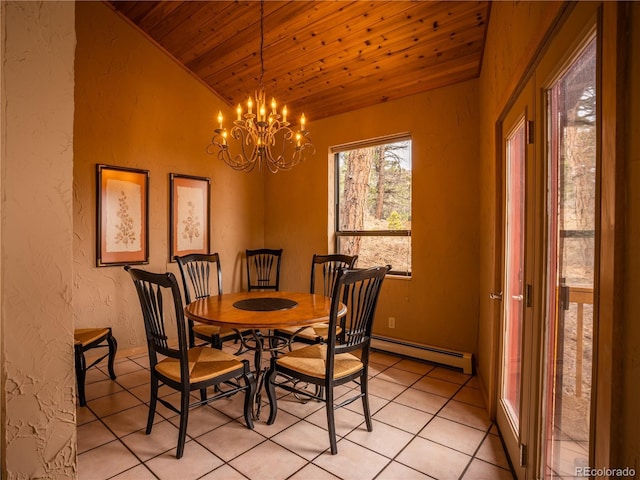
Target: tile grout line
(164, 419)
(298, 418)
(416, 435)
(119, 439)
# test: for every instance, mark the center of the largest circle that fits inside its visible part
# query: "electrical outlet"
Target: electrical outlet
(392, 322)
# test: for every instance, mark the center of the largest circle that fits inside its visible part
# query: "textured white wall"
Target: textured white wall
(38, 391)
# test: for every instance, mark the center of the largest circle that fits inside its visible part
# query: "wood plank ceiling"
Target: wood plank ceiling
(320, 57)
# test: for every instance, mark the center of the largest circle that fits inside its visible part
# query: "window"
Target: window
(373, 202)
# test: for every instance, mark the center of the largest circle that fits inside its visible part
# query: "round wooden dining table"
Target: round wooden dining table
(259, 311)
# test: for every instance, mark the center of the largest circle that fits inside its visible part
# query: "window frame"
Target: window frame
(338, 232)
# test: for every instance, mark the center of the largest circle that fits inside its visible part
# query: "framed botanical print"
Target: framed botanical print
(188, 215)
(123, 216)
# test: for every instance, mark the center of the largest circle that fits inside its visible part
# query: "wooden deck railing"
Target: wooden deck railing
(581, 296)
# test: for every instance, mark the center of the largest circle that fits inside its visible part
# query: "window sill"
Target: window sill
(391, 276)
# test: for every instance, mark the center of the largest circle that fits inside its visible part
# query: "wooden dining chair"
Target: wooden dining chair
(263, 269)
(324, 272)
(202, 277)
(328, 365)
(85, 339)
(179, 367)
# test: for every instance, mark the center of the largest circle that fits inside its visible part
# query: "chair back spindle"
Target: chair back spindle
(151, 288)
(199, 273)
(331, 266)
(263, 269)
(196, 270)
(202, 277)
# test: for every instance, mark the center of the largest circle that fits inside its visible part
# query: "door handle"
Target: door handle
(517, 297)
(495, 296)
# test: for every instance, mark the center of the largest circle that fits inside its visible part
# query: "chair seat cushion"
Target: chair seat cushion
(312, 332)
(211, 330)
(311, 361)
(84, 336)
(204, 363)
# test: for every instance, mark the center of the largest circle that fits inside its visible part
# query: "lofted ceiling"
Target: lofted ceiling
(320, 57)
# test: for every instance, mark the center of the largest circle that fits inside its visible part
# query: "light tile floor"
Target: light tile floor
(429, 422)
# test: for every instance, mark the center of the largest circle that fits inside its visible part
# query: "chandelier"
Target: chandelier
(263, 137)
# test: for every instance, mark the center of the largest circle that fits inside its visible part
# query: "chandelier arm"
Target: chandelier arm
(225, 156)
(243, 159)
(273, 157)
(275, 161)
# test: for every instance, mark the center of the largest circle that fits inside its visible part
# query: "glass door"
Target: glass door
(514, 274)
(551, 239)
(571, 158)
(512, 409)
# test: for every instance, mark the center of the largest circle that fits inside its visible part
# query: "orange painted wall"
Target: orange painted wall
(136, 107)
(439, 304)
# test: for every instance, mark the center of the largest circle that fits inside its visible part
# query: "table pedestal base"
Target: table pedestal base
(256, 342)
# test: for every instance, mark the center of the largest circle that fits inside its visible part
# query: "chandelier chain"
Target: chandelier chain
(261, 43)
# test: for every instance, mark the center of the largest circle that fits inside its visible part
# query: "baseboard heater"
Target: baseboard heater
(441, 356)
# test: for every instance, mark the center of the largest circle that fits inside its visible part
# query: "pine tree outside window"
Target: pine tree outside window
(373, 202)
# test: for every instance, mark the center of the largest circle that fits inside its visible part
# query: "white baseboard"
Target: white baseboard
(452, 358)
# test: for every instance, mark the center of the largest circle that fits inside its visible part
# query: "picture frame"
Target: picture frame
(122, 216)
(189, 215)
